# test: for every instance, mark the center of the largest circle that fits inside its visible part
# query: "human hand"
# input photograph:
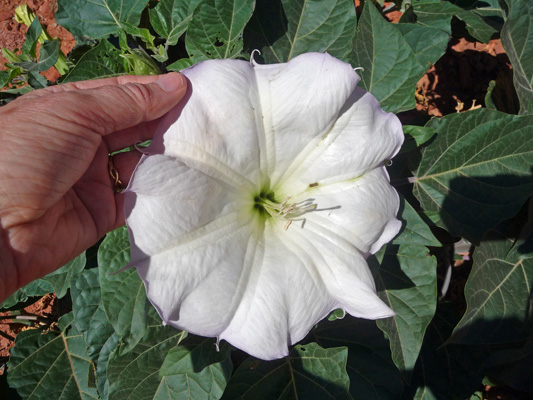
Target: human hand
(56, 196)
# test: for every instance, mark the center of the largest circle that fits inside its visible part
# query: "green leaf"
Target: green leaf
(140, 63)
(498, 295)
(421, 134)
(48, 57)
(170, 18)
(7, 76)
(180, 64)
(477, 171)
(488, 9)
(517, 39)
(35, 288)
(439, 14)
(513, 367)
(373, 375)
(98, 18)
(36, 80)
(394, 57)
(62, 278)
(102, 382)
(136, 374)
(51, 366)
(283, 29)
(123, 293)
(12, 57)
(446, 371)
(32, 36)
(415, 231)
(7, 95)
(215, 30)
(309, 372)
(103, 61)
(195, 369)
(88, 312)
(407, 282)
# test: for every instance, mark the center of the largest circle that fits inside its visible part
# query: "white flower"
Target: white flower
(252, 217)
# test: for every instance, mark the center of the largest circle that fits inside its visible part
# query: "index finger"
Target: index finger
(95, 83)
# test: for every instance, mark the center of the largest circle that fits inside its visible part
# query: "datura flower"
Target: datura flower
(262, 195)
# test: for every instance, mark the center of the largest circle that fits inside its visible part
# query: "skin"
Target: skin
(56, 195)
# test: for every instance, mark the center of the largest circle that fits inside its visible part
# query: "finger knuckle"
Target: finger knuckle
(139, 94)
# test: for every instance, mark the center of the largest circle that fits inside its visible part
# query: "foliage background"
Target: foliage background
(465, 179)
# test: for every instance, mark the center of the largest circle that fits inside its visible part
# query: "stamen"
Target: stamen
(285, 210)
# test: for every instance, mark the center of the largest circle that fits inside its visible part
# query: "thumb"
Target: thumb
(114, 107)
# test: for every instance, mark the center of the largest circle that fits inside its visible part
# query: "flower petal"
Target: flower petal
(191, 262)
(284, 299)
(216, 129)
(161, 185)
(361, 210)
(300, 102)
(362, 138)
(344, 271)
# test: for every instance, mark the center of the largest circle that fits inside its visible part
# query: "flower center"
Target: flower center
(286, 210)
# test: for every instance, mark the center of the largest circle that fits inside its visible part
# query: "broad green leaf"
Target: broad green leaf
(102, 383)
(36, 80)
(62, 278)
(446, 371)
(88, 312)
(170, 18)
(439, 14)
(32, 36)
(407, 282)
(477, 171)
(123, 293)
(308, 372)
(498, 295)
(415, 231)
(47, 58)
(98, 18)
(103, 61)
(215, 30)
(195, 369)
(141, 33)
(421, 134)
(394, 57)
(193, 354)
(51, 366)
(513, 367)
(489, 9)
(136, 373)
(517, 39)
(180, 64)
(373, 375)
(35, 288)
(283, 29)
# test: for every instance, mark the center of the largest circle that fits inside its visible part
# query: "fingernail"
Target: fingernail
(170, 82)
